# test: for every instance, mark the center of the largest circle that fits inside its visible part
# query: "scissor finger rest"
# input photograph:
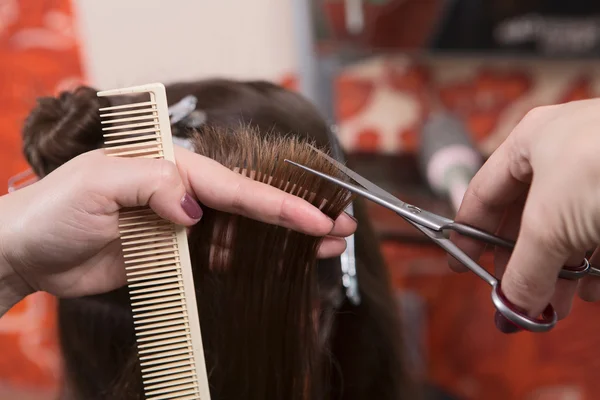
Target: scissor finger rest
(575, 273)
(523, 321)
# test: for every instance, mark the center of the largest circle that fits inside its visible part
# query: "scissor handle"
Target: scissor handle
(575, 273)
(546, 322)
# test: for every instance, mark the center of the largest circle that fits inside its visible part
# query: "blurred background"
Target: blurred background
(384, 71)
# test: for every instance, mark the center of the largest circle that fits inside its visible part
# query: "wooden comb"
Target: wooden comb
(157, 259)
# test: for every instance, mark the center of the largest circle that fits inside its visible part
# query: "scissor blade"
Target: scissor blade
(364, 182)
(394, 205)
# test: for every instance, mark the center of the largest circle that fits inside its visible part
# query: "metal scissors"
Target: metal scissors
(434, 226)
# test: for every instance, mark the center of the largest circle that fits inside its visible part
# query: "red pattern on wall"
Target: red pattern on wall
(39, 56)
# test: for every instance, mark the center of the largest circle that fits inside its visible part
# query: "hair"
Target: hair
(274, 321)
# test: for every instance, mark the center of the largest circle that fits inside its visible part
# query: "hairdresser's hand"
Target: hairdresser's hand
(60, 234)
(542, 183)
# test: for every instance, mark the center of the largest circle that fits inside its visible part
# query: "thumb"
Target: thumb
(532, 271)
(136, 182)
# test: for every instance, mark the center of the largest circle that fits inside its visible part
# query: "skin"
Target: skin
(542, 188)
(60, 235)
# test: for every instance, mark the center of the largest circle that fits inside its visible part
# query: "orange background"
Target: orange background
(39, 55)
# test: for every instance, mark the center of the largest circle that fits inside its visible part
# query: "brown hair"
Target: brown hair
(264, 338)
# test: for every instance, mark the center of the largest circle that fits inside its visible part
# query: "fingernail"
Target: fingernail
(332, 225)
(191, 207)
(354, 219)
(504, 325)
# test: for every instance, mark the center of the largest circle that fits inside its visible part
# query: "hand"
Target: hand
(542, 187)
(61, 234)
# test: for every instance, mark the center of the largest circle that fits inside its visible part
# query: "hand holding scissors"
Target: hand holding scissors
(434, 226)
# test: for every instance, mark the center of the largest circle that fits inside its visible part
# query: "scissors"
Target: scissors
(434, 226)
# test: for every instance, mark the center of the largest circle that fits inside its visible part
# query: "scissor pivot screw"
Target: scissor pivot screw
(414, 209)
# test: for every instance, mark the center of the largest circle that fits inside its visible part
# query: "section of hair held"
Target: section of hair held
(256, 282)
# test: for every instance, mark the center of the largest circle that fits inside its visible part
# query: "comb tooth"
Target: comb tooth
(129, 133)
(155, 276)
(158, 230)
(168, 392)
(154, 156)
(165, 348)
(179, 374)
(155, 288)
(152, 226)
(130, 112)
(173, 255)
(158, 307)
(163, 336)
(154, 149)
(128, 119)
(165, 299)
(140, 222)
(125, 106)
(155, 294)
(161, 343)
(159, 250)
(167, 369)
(183, 381)
(127, 126)
(178, 395)
(160, 331)
(165, 342)
(164, 238)
(158, 282)
(161, 266)
(131, 146)
(168, 317)
(167, 359)
(169, 245)
(131, 139)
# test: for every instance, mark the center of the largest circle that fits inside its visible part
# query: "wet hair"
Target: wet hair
(274, 320)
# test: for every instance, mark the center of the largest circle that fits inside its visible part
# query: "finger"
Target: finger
(345, 225)
(562, 299)
(220, 188)
(509, 229)
(135, 182)
(589, 287)
(533, 268)
(488, 196)
(564, 292)
(331, 247)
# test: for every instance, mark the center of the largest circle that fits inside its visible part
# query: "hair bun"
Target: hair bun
(60, 128)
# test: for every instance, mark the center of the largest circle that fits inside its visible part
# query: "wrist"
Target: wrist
(12, 287)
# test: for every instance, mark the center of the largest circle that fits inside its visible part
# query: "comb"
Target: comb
(157, 259)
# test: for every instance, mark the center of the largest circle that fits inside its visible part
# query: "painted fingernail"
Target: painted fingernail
(504, 325)
(191, 207)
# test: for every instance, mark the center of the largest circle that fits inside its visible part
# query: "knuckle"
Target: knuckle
(237, 199)
(541, 225)
(167, 172)
(523, 290)
(538, 113)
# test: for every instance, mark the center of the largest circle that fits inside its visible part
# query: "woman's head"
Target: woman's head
(272, 326)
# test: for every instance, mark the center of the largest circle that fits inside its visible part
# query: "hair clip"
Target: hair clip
(186, 143)
(22, 179)
(348, 257)
(184, 113)
(181, 109)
